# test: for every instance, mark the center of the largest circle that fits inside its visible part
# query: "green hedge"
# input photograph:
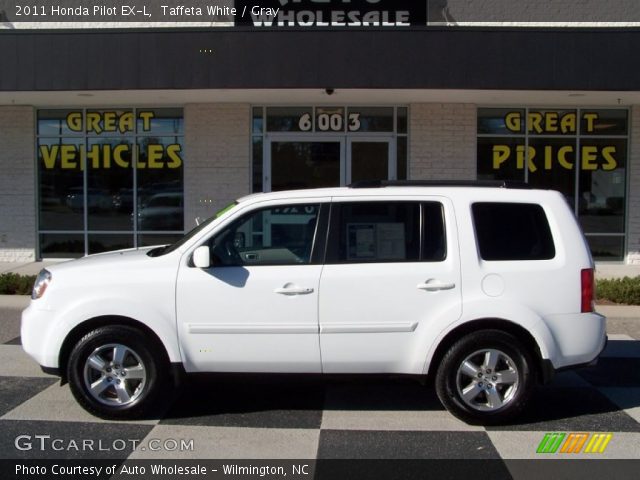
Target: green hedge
(14, 284)
(620, 290)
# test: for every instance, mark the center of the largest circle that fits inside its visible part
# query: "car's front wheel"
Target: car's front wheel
(486, 377)
(114, 372)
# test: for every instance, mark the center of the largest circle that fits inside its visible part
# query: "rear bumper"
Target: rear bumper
(51, 371)
(548, 371)
(580, 338)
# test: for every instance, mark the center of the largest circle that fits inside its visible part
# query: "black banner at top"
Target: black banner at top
(330, 13)
(312, 14)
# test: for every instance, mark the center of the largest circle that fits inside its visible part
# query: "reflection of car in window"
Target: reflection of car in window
(162, 211)
(97, 199)
(123, 200)
(269, 236)
(48, 196)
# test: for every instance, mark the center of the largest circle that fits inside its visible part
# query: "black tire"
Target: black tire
(140, 358)
(490, 397)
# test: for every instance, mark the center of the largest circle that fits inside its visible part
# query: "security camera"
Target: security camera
(329, 91)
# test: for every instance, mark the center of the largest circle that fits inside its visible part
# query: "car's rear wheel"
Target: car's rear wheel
(114, 372)
(486, 377)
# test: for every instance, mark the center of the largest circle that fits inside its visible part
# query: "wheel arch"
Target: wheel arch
(81, 329)
(543, 370)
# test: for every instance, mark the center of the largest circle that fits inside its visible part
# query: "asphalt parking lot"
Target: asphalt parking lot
(310, 418)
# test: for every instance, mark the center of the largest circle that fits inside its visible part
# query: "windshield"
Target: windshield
(156, 252)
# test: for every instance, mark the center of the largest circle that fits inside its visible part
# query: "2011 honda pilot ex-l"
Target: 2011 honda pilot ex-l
(489, 289)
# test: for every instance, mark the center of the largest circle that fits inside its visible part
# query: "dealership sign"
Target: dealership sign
(550, 155)
(110, 125)
(331, 13)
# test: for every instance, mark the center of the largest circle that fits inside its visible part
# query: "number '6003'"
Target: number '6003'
(329, 122)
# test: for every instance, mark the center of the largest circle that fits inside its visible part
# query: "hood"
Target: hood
(115, 259)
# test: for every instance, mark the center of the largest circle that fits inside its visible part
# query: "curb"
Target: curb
(14, 301)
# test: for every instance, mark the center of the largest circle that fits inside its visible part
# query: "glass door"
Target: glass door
(295, 163)
(371, 158)
(292, 163)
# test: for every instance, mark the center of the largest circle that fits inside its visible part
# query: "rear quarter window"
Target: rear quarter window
(512, 231)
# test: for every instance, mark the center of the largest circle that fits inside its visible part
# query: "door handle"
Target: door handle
(435, 285)
(293, 290)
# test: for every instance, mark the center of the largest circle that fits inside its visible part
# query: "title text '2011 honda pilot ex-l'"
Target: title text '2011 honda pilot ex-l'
(488, 289)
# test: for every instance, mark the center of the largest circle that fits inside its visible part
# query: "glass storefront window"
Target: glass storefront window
(293, 146)
(148, 240)
(370, 119)
(289, 119)
(60, 122)
(60, 184)
(108, 174)
(604, 122)
(160, 121)
(552, 122)
(580, 152)
(401, 158)
(99, 243)
(552, 165)
(109, 178)
(257, 156)
(601, 194)
(257, 125)
(159, 192)
(501, 121)
(305, 165)
(369, 160)
(403, 120)
(66, 245)
(501, 158)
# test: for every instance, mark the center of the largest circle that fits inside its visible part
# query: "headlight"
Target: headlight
(42, 282)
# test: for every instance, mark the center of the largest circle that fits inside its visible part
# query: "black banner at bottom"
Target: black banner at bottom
(378, 469)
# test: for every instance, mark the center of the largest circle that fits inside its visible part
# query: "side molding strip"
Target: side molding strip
(250, 329)
(368, 327)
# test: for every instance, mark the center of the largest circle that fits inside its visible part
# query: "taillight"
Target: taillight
(588, 290)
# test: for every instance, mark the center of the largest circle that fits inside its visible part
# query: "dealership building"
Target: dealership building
(122, 137)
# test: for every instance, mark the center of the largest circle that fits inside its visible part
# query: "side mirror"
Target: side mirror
(202, 257)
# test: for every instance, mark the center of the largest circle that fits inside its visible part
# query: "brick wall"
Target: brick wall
(217, 157)
(17, 191)
(442, 142)
(633, 247)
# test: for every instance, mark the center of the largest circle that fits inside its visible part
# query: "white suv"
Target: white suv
(487, 288)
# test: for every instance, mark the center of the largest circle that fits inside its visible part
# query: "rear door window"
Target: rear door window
(512, 231)
(378, 232)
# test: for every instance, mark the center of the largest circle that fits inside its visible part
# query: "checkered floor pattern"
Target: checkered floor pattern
(302, 418)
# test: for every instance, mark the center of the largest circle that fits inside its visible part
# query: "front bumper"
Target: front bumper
(36, 335)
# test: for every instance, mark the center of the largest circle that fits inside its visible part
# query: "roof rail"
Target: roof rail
(440, 183)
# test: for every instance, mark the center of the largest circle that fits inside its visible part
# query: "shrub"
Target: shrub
(14, 284)
(619, 290)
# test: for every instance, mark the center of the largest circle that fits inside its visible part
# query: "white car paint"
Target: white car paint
(368, 318)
